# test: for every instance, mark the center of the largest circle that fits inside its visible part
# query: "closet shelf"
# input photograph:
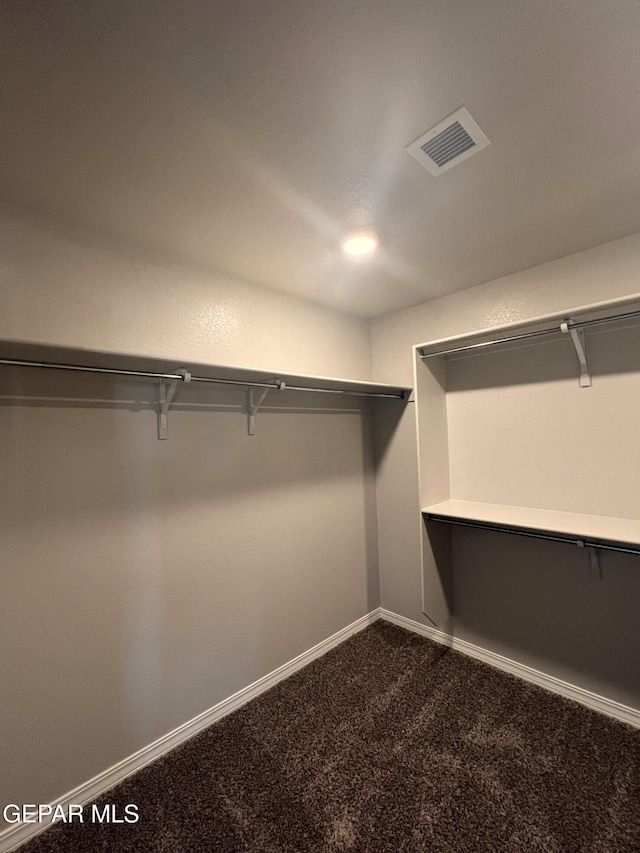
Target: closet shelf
(590, 531)
(143, 367)
(469, 343)
(170, 375)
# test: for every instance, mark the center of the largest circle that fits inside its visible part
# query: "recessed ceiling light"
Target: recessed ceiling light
(360, 243)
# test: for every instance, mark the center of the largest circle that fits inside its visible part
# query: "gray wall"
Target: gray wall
(143, 581)
(532, 602)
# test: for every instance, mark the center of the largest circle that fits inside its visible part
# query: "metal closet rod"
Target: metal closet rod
(583, 324)
(143, 374)
(518, 531)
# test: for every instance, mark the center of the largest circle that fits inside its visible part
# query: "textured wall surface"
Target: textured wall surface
(143, 581)
(72, 288)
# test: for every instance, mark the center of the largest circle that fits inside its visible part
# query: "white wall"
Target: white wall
(522, 432)
(541, 625)
(143, 581)
(69, 287)
(600, 275)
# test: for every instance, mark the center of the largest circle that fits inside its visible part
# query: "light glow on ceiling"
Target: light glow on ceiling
(360, 243)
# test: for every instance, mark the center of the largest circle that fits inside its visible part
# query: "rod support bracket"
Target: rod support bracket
(579, 343)
(166, 391)
(253, 406)
(595, 569)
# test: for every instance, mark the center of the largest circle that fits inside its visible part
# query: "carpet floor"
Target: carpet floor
(389, 742)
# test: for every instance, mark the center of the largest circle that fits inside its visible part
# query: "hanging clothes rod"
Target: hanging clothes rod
(582, 324)
(535, 534)
(182, 377)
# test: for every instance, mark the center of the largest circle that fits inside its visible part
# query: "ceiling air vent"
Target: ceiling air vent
(448, 143)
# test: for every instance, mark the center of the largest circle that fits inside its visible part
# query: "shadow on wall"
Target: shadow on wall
(388, 414)
(539, 598)
(83, 444)
(438, 598)
(545, 361)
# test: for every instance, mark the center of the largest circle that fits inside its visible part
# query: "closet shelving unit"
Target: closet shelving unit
(588, 531)
(586, 400)
(169, 375)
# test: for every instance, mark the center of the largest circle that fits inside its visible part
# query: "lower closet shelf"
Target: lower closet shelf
(598, 531)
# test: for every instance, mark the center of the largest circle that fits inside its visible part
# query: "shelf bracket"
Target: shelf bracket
(595, 569)
(166, 391)
(253, 405)
(577, 336)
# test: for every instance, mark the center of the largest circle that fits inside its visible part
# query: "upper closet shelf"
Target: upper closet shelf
(171, 374)
(572, 328)
(589, 531)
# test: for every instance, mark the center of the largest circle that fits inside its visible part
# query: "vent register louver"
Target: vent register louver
(448, 143)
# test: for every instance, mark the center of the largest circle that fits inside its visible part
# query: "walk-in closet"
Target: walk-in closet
(319, 426)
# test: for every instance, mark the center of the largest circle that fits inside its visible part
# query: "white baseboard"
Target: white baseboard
(16, 835)
(535, 676)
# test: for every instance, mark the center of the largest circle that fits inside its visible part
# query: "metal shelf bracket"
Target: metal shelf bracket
(595, 569)
(253, 405)
(166, 391)
(577, 336)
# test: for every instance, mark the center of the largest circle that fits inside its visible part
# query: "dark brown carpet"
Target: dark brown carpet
(388, 743)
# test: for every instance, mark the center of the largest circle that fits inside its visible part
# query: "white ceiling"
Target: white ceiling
(247, 137)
